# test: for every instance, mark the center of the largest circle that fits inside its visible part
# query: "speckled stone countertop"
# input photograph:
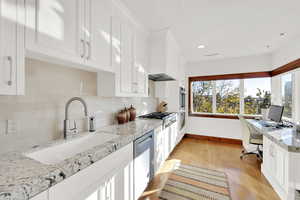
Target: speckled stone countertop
(22, 178)
(287, 138)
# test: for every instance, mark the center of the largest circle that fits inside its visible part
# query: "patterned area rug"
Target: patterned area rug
(193, 183)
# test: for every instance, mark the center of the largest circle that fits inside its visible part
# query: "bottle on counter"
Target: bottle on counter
(122, 117)
(132, 112)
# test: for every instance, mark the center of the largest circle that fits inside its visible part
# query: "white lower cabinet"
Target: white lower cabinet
(158, 148)
(89, 182)
(112, 178)
(165, 140)
(276, 167)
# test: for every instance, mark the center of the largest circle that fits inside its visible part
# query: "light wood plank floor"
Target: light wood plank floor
(245, 179)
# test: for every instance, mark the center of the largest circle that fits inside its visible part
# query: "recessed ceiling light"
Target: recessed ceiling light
(282, 34)
(268, 46)
(201, 46)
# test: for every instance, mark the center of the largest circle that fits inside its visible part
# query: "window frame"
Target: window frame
(292, 73)
(215, 78)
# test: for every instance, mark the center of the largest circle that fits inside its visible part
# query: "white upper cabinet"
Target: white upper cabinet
(99, 40)
(164, 54)
(71, 32)
(140, 70)
(129, 58)
(12, 47)
(55, 29)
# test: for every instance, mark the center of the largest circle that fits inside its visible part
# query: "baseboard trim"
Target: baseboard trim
(215, 139)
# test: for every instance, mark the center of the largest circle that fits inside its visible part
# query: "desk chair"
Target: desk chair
(252, 140)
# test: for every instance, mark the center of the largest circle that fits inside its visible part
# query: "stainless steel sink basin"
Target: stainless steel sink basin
(57, 153)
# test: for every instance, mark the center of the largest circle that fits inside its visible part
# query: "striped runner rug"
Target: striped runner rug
(193, 183)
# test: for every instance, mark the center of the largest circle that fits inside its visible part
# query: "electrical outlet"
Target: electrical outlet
(11, 127)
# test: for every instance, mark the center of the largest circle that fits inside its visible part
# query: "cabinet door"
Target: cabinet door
(140, 64)
(126, 67)
(56, 29)
(158, 148)
(166, 146)
(12, 17)
(99, 38)
(282, 167)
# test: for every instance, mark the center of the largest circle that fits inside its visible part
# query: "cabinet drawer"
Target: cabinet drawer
(80, 185)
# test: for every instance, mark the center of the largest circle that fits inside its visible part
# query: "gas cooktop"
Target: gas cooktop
(156, 115)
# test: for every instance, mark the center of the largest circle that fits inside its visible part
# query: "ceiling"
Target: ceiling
(230, 28)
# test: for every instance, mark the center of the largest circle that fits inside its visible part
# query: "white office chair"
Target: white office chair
(252, 140)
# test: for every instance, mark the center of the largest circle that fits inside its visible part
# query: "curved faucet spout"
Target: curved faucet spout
(66, 121)
(69, 103)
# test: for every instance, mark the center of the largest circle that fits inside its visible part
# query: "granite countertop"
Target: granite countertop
(22, 178)
(287, 138)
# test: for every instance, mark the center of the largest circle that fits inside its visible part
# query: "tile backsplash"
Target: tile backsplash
(38, 116)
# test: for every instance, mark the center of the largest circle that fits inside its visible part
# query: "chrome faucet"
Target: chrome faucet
(68, 131)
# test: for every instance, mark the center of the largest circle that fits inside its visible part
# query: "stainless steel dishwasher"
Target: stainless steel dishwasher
(143, 162)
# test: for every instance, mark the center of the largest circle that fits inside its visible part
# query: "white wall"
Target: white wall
(226, 128)
(229, 66)
(287, 53)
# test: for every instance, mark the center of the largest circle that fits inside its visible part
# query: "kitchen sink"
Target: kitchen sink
(57, 153)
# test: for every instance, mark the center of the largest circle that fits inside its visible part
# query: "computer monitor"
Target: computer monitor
(275, 113)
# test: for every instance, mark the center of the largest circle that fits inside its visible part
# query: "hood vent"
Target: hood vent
(160, 77)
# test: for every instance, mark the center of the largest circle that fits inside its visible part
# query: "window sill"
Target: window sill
(221, 116)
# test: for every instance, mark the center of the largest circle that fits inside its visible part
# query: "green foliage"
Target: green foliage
(227, 98)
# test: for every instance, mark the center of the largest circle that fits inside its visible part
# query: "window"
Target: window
(287, 95)
(224, 96)
(228, 96)
(202, 92)
(257, 95)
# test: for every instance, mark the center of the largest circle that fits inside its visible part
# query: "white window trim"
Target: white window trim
(293, 118)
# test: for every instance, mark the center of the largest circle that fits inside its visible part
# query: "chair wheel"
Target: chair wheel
(241, 157)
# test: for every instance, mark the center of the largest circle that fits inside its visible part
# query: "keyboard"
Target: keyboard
(268, 123)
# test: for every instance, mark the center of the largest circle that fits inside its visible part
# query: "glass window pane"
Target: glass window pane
(287, 96)
(202, 98)
(257, 95)
(228, 96)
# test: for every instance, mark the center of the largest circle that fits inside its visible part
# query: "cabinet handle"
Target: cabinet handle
(9, 58)
(89, 50)
(83, 48)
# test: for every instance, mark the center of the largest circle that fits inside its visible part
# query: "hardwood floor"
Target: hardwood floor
(245, 179)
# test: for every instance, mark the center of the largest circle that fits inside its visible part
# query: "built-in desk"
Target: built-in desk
(281, 158)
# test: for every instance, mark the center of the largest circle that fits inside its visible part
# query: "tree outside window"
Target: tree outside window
(257, 95)
(202, 92)
(287, 96)
(228, 96)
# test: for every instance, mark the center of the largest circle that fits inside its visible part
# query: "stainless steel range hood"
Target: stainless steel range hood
(161, 77)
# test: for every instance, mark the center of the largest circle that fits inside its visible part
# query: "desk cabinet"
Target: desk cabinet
(276, 167)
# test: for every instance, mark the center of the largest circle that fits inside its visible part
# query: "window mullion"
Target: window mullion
(242, 96)
(214, 97)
